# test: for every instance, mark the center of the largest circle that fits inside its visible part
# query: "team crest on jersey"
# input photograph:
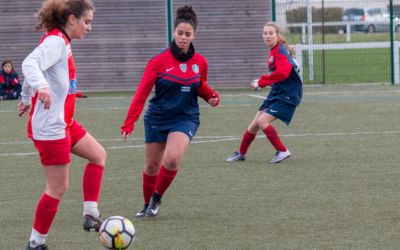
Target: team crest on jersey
(183, 67)
(271, 59)
(195, 68)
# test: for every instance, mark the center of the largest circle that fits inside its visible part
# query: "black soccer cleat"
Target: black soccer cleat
(154, 205)
(40, 247)
(91, 224)
(142, 213)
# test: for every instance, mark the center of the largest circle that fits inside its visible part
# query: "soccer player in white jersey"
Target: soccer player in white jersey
(49, 92)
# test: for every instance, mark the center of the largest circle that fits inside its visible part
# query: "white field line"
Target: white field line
(372, 92)
(130, 139)
(229, 138)
(130, 97)
(201, 106)
(305, 92)
(257, 96)
(235, 95)
(126, 108)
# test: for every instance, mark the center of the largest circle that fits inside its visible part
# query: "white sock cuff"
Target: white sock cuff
(91, 208)
(37, 238)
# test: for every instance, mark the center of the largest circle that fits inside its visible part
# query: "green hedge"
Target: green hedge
(299, 15)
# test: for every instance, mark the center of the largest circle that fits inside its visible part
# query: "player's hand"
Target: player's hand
(214, 100)
(254, 85)
(127, 130)
(23, 109)
(44, 96)
(125, 135)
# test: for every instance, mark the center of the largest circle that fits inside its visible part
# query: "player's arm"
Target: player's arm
(15, 79)
(281, 73)
(42, 58)
(24, 105)
(205, 92)
(143, 91)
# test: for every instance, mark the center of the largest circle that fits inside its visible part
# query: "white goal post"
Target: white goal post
(299, 48)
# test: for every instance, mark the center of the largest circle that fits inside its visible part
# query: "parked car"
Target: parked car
(373, 19)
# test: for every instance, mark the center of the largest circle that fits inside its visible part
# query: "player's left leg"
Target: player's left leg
(88, 147)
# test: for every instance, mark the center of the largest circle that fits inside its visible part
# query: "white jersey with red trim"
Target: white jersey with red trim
(50, 65)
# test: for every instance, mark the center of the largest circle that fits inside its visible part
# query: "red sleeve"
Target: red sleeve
(143, 91)
(281, 73)
(15, 80)
(204, 91)
(1, 79)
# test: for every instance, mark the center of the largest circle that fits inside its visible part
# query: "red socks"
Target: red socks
(92, 178)
(47, 206)
(157, 183)
(149, 184)
(273, 137)
(164, 179)
(247, 139)
(46, 210)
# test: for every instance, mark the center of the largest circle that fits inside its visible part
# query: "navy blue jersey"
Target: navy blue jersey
(287, 85)
(177, 87)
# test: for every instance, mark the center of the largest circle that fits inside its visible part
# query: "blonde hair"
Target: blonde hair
(281, 39)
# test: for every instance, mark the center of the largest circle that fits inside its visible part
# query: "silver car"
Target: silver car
(372, 19)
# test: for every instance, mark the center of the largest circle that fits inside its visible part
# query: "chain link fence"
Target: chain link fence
(343, 41)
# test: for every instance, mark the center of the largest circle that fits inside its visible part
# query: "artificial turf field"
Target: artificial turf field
(339, 190)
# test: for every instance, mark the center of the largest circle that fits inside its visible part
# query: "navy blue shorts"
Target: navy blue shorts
(279, 109)
(159, 133)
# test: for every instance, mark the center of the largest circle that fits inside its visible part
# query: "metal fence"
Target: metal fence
(337, 41)
(343, 41)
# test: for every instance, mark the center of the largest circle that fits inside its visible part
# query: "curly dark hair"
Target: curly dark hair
(186, 14)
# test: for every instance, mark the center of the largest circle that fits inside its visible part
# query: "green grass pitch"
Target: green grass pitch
(339, 190)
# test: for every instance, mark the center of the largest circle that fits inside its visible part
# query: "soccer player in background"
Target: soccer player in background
(49, 88)
(179, 75)
(282, 100)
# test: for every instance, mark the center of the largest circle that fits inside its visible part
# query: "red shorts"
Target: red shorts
(58, 152)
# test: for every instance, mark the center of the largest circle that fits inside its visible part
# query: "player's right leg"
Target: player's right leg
(56, 186)
(153, 154)
(55, 158)
(248, 137)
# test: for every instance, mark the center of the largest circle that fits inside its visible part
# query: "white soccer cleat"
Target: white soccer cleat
(236, 156)
(280, 156)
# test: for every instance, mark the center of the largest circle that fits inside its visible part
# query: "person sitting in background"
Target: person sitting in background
(10, 87)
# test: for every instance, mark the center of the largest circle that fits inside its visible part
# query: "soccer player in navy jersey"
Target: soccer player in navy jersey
(281, 102)
(179, 75)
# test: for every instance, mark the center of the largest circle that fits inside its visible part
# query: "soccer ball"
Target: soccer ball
(117, 232)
